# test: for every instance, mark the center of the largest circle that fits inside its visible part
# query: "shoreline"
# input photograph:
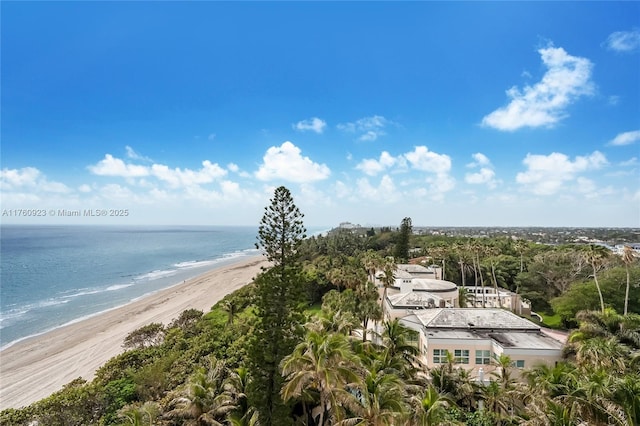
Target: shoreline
(34, 367)
(218, 263)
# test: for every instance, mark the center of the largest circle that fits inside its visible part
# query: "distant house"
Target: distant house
(348, 225)
(488, 297)
(476, 336)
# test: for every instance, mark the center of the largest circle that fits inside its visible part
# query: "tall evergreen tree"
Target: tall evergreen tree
(278, 303)
(401, 251)
(281, 229)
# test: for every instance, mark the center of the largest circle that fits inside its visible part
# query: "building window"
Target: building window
(440, 356)
(413, 339)
(462, 356)
(483, 357)
(520, 363)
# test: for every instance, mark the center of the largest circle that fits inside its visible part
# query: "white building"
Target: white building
(488, 297)
(417, 287)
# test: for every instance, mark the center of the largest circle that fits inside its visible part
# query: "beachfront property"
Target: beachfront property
(475, 337)
(417, 287)
(422, 287)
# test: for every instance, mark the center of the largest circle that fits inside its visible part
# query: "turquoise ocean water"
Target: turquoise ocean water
(53, 275)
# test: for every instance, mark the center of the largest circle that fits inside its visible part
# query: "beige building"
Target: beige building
(477, 336)
(490, 298)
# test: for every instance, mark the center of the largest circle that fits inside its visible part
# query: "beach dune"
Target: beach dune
(36, 367)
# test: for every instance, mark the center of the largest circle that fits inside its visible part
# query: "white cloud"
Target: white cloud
(115, 192)
(111, 166)
(29, 179)
(286, 162)
(342, 190)
(369, 128)
(187, 177)
(313, 124)
(372, 167)
(626, 138)
(630, 162)
(439, 185)
(483, 176)
(479, 160)
(84, 188)
(585, 186)
(624, 41)
(384, 193)
(545, 103)
(18, 178)
(546, 174)
(233, 167)
(310, 195)
(613, 100)
(428, 161)
(437, 166)
(135, 156)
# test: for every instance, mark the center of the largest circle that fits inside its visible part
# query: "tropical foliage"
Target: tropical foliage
(257, 359)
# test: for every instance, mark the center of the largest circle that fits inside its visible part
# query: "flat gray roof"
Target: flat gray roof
(508, 340)
(431, 284)
(474, 318)
(414, 269)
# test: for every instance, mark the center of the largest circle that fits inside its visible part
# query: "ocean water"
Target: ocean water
(54, 275)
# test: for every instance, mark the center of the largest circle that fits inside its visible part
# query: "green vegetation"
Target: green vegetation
(289, 349)
(551, 320)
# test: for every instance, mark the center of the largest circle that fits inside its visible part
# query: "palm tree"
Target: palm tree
(596, 256)
(628, 257)
(461, 252)
(230, 306)
(465, 298)
(372, 261)
(546, 386)
(378, 399)
(493, 252)
(432, 407)
(140, 414)
(476, 247)
(205, 400)
(329, 321)
(388, 279)
(439, 252)
(504, 365)
(398, 349)
(496, 399)
(324, 363)
(602, 353)
(236, 386)
(592, 399)
(520, 247)
(626, 392)
(552, 381)
(625, 328)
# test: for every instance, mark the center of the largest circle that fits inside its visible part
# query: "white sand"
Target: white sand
(34, 368)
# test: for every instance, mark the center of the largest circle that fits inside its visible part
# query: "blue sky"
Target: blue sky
(454, 114)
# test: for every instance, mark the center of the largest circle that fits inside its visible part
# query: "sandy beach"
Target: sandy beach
(36, 367)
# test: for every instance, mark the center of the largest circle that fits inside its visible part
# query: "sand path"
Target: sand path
(36, 367)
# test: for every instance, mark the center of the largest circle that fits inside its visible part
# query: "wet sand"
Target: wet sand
(36, 367)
